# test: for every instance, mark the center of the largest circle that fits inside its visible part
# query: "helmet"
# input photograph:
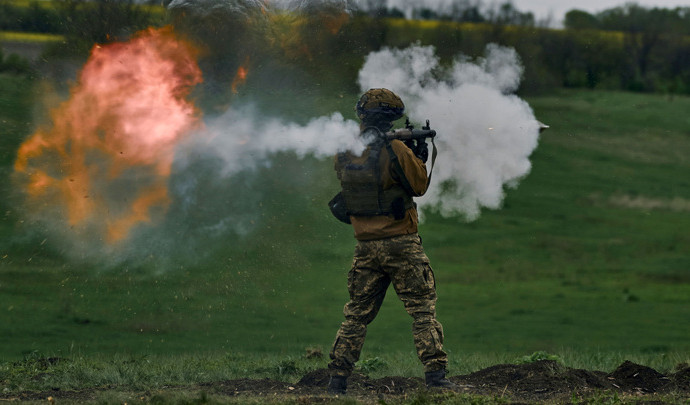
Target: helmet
(379, 104)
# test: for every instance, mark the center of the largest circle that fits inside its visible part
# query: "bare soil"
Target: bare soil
(541, 381)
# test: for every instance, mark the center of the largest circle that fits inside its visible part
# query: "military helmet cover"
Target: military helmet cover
(380, 102)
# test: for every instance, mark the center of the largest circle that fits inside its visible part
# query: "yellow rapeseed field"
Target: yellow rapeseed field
(29, 37)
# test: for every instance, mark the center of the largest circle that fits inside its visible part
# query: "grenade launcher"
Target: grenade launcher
(410, 134)
(415, 139)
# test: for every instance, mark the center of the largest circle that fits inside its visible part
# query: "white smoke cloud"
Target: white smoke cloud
(243, 140)
(485, 137)
(485, 134)
(217, 185)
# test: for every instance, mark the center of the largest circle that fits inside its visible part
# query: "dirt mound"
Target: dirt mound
(316, 378)
(634, 377)
(537, 381)
(533, 382)
(317, 381)
(541, 379)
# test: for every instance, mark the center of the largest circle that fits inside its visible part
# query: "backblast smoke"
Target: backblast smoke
(486, 134)
(131, 169)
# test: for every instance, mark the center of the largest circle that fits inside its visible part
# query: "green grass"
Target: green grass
(141, 372)
(587, 260)
(16, 98)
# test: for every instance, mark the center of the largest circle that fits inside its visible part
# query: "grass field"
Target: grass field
(587, 260)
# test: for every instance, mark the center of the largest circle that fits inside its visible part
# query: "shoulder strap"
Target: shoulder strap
(434, 152)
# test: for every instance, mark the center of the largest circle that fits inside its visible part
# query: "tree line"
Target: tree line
(628, 47)
(82, 22)
(457, 10)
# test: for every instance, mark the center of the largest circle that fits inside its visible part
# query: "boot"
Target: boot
(437, 379)
(337, 385)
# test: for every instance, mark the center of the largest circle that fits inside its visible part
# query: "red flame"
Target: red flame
(106, 160)
(240, 76)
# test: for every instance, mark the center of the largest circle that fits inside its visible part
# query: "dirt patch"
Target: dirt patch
(534, 382)
(647, 203)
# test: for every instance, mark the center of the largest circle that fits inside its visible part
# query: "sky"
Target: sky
(557, 8)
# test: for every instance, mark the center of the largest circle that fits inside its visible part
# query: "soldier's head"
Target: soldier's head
(379, 108)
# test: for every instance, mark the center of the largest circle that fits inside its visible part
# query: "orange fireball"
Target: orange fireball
(106, 159)
(241, 76)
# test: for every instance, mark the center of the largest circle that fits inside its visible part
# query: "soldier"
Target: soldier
(377, 191)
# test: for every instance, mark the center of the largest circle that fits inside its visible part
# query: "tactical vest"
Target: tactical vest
(362, 187)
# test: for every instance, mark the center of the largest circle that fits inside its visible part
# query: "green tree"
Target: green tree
(34, 17)
(642, 29)
(578, 19)
(507, 14)
(14, 63)
(466, 11)
(88, 22)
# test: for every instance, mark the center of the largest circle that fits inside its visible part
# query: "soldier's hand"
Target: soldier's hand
(422, 151)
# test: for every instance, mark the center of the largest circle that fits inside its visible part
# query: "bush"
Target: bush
(14, 63)
(32, 18)
(538, 356)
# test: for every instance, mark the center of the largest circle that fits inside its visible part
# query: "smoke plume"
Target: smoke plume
(485, 133)
(243, 139)
(167, 180)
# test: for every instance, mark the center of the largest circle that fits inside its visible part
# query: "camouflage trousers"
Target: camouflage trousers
(401, 261)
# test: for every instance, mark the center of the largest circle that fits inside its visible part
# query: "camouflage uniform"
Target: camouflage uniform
(389, 250)
(402, 261)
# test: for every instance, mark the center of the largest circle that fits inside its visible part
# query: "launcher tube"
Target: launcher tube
(405, 134)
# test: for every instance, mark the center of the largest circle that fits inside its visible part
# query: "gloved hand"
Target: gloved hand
(422, 151)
